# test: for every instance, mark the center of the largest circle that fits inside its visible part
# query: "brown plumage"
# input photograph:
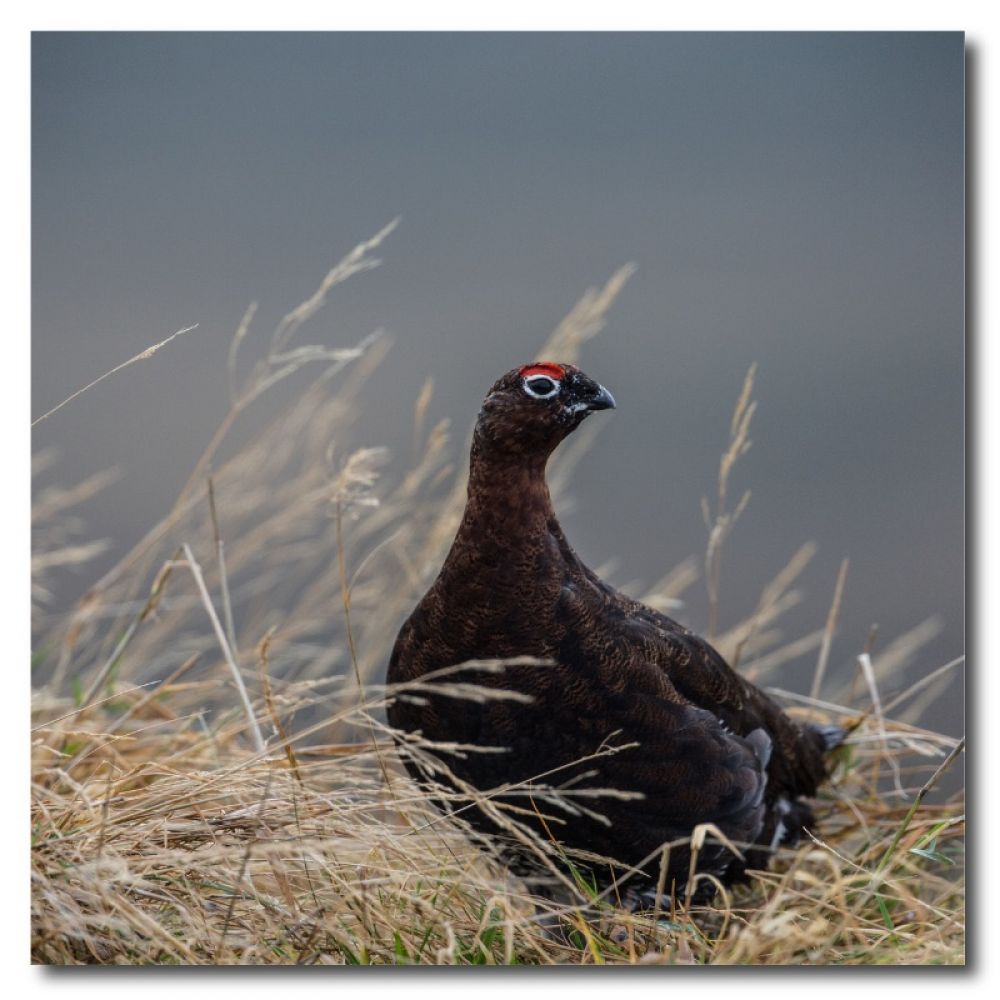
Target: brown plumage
(709, 747)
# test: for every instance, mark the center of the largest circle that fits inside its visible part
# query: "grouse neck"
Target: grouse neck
(508, 491)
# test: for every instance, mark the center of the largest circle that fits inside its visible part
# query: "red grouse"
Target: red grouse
(628, 701)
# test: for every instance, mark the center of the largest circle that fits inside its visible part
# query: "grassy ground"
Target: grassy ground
(213, 782)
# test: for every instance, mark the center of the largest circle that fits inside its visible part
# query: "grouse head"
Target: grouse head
(532, 408)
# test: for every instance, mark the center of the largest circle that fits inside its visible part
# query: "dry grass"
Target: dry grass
(166, 831)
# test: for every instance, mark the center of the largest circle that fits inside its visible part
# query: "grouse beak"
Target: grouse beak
(602, 401)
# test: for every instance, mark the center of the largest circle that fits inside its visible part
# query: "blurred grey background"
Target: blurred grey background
(790, 199)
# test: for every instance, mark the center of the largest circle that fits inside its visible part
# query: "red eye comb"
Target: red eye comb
(549, 368)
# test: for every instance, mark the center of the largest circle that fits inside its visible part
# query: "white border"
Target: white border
(976, 19)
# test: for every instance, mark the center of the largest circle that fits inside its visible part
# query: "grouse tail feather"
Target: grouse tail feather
(830, 736)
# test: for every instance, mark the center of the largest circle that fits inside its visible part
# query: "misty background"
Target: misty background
(791, 199)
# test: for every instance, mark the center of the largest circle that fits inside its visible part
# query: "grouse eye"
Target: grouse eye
(541, 387)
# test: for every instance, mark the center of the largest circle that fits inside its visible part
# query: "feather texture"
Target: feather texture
(684, 738)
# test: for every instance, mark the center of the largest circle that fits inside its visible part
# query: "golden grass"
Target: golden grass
(165, 830)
